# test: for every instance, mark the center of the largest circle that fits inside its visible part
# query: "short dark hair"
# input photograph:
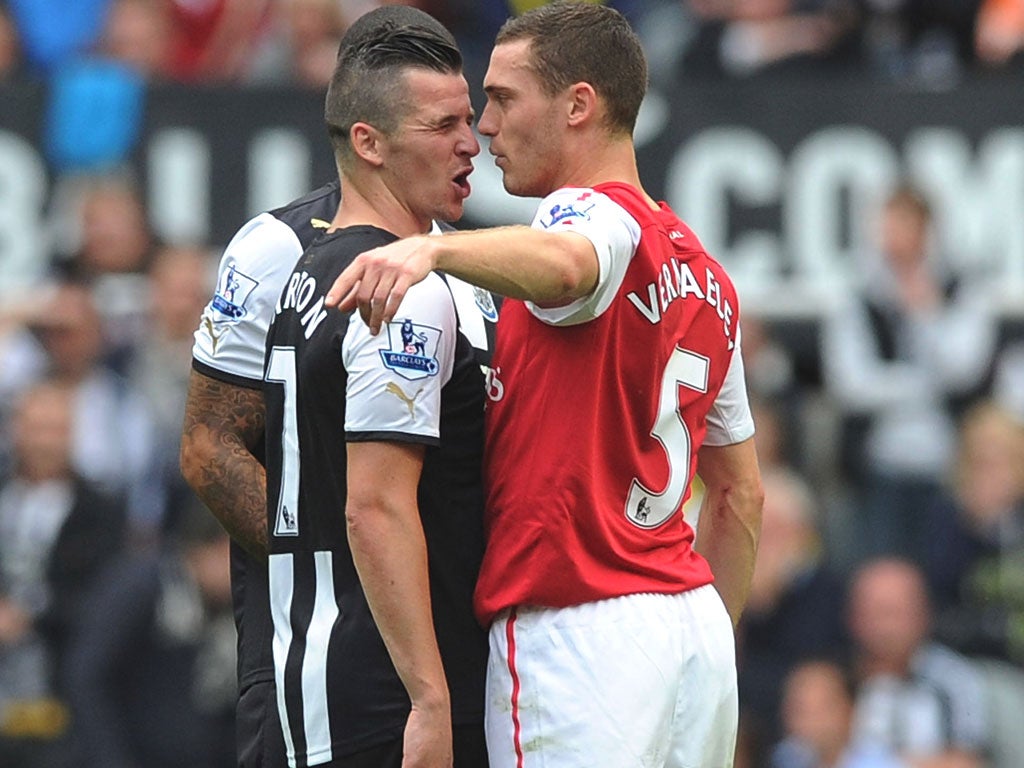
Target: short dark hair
(572, 42)
(366, 85)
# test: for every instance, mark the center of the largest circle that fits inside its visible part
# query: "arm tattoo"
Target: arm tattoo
(223, 424)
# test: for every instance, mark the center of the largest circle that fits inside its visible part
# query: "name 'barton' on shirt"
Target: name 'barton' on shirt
(297, 295)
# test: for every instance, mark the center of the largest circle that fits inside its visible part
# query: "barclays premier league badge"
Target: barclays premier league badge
(413, 350)
(577, 210)
(233, 289)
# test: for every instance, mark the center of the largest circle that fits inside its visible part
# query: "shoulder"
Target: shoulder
(309, 215)
(262, 245)
(939, 662)
(433, 293)
(578, 206)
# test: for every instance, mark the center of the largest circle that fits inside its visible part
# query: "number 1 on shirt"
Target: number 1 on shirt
(281, 369)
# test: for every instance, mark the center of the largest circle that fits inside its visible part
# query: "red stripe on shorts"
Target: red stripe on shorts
(510, 637)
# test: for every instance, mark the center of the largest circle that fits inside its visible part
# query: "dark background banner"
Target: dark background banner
(781, 179)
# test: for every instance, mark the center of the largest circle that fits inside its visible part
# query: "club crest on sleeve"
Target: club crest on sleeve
(413, 350)
(485, 303)
(579, 209)
(233, 289)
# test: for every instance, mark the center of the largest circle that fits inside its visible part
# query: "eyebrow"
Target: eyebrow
(448, 119)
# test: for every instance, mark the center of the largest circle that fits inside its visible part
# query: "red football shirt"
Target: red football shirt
(594, 424)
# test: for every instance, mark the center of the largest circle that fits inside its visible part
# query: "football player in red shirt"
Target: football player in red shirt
(616, 377)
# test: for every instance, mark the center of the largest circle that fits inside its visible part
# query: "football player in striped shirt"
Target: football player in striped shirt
(374, 442)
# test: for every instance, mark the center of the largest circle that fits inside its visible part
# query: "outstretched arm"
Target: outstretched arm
(223, 425)
(730, 518)
(390, 554)
(548, 268)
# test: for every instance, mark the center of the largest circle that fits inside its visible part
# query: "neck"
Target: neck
(368, 201)
(613, 160)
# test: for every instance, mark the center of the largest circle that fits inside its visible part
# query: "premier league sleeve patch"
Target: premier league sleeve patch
(575, 211)
(233, 289)
(412, 352)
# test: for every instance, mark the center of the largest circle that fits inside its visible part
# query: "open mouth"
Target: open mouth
(462, 182)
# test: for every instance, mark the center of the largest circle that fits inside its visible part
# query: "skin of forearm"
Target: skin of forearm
(521, 262)
(222, 425)
(389, 553)
(727, 537)
(729, 526)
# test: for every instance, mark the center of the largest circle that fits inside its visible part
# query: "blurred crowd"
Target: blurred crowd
(293, 41)
(886, 622)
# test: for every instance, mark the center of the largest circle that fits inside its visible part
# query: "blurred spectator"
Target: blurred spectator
(56, 533)
(927, 41)
(114, 236)
(743, 37)
(795, 609)
(110, 248)
(22, 361)
(151, 675)
(918, 697)
(767, 363)
(10, 46)
(999, 32)
(976, 553)
(1008, 380)
(179, 279)
(54, 32)
(93, 116)
(178, 284)
(214, 41)
(137, 34)
(899, 356)
(774, 392)
(112, 432)
(773, 437)
(304, 45)
(817, 712)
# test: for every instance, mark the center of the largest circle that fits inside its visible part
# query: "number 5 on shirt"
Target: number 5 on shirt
(644, 507)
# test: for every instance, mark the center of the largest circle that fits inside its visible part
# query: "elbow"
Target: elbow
(580, 272)
(573, 273)
(742, 501)
(359, 518)
(194, 457)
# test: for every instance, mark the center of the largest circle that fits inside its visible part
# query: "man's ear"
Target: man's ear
(367, 143)
(582, 103)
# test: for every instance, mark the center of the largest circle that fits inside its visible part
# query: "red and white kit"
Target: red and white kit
(597, 412)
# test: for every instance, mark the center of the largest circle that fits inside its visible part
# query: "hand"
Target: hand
(428, 738)
(377, 280)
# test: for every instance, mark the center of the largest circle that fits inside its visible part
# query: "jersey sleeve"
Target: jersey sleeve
(394, 379)
(229, 343)
(730, 420)
(612, 231)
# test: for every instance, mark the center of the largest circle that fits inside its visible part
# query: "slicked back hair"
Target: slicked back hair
(572, 42)
(368, 84)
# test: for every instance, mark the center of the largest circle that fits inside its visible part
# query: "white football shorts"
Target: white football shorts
(641, 681)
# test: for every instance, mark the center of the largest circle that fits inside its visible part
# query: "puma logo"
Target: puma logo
(214, 334)
(397, 391)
